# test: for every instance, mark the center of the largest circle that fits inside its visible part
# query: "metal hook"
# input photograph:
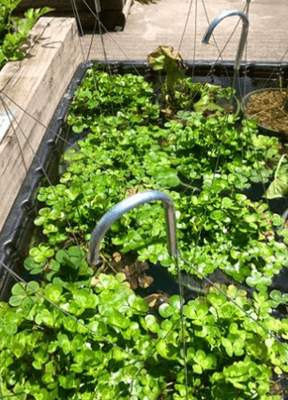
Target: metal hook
(126, 205)
(245, 26)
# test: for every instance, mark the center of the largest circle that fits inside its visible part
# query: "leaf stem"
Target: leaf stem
(278, 166)
(195, 189)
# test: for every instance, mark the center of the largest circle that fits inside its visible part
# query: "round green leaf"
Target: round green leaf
(167, 350)
(165, 310)
(53, 292)
(151, 323)
(218, 215)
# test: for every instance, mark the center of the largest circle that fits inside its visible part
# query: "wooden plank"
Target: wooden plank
(35, 85)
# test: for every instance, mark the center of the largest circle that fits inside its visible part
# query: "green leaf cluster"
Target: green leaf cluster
(15, 31)
(76, 339)
(203, 162)
(279, 186)
(96, 339)
(79, 334)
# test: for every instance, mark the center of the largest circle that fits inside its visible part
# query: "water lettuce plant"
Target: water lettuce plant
(279, 185)
(180, 92)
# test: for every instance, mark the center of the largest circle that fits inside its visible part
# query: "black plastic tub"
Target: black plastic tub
(18, 229)
(19, 226)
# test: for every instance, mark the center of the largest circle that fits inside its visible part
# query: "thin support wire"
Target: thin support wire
(91, 41)
(35, 291)
(185, 26)
(78, 19)
(273, 71)
(112, 38)
(215, 42)
(184, 344)
(98, 9)
(11, 118)
(246, 49)
(17, 278)
(44, 172)
(286, 51)
(211, 283)
(195, 37)
(38, 38)
(36, 120)
(97, 22)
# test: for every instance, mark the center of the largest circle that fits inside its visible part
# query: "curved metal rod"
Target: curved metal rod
(245, 26)
(126, 205)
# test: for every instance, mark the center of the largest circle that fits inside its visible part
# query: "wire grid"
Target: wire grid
(86, 57)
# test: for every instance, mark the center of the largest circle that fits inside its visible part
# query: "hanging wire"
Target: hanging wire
(184, 344)
(275, 69)
(98, 10)
(195, 39)
(215, 42)
(11, 117)
(190, 265)
(246, 50)
(78, 19)
(185, 25)
(47, 128)
(44, 172)
(97, 20)
(96, 23)
(79, 322)
(211, 283)
(103, 28)
(282, 58)
(27, 54)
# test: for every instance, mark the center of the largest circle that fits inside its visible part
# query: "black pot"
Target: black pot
(264, 129)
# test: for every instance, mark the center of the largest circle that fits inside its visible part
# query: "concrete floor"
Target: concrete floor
(163, 23)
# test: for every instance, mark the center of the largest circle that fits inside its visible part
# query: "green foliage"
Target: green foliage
(80, 334)
(164, 59)
(14, 31)
(203, 163)
(179, 92)
(279, 186)
(100, 342)
(93, 337)
(104, 95)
